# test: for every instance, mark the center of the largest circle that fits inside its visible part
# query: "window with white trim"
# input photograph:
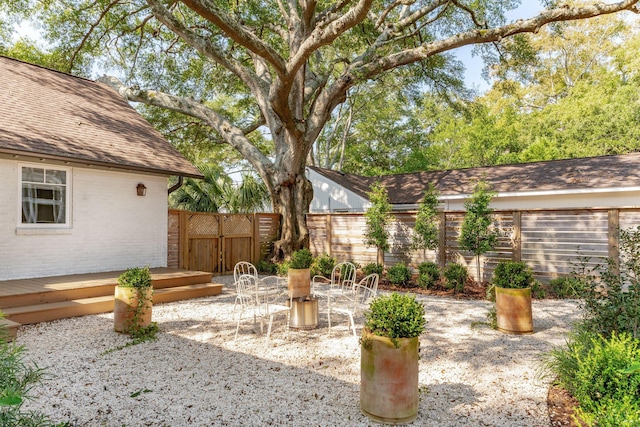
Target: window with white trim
(44, 195)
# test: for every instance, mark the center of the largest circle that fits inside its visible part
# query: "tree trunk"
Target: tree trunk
(291, 199)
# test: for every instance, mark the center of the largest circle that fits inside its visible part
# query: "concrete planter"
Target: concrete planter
(389, 379)
(299, 282)
(125, 306)
(513, 310)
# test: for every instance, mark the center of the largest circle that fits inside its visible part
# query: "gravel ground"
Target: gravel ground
(194, 374)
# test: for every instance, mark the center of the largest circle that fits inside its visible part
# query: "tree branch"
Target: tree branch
(229, 133)
(212, 13)
(479, 36)
(204, 46)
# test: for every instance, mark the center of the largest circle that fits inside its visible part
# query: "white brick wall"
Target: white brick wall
(111, 227)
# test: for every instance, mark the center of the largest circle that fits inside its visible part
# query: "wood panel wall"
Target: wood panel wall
(552, 242)
(216, 242)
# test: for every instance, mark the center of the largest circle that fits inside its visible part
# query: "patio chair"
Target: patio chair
(245, 267)
(255, 301)
(356, 301)
(343, 276)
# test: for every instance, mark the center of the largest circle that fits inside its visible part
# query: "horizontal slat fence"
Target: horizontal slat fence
(552, 242)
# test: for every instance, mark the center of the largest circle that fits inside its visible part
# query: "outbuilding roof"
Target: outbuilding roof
(601, 172)
(53, 115)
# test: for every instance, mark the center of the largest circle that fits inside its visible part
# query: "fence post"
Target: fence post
(614, 238)
(516, 237)
(256, 239)
(442, 240)
(183, 258)
(329, 231)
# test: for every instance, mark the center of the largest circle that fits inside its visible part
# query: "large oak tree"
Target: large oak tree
(288, 63)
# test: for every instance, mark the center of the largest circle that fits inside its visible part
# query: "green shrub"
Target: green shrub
(17, 379)
(592, 368)
(456, 275)
(399, 274)
(429, 274)
(512, 274)
(372, 268)
(567, 287)
(612, 413)
(266, 267)
(283, 268)
(136, 277)
(612, 304)
(395, 316)
(323, 265)
(301, 259)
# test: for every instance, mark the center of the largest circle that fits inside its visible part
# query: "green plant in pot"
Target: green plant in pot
(389, 358)
(133, 301)
(299, 273)
(512, 282)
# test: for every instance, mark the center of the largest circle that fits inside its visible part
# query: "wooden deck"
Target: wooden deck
(50, 298)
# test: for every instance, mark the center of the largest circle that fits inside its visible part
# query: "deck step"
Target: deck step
(102, 304)
(101, 288)
(11, 329)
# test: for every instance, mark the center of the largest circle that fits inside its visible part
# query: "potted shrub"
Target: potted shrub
(133, 300)
(512, 283)
(299, 273)
(389, 358)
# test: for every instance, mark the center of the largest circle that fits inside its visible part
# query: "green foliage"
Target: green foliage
(512, 274)
(591, 368)
(425, 231)
(135, 277)
(429, 274)
(372, 268)
(395, 316)
(399, 274)
(138, 278)
(323, 265)
(17, 378)
(283, 268)
(378, 217)
(301, 259)
(217, 192)
(477, 235)
(612, 303)
(608, 412)
(567, 287)
(456, 275)
(266, 267)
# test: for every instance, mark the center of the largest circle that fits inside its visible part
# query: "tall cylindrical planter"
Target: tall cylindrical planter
(513, 310)
(389, 379)
(299, 282)
(125, 306)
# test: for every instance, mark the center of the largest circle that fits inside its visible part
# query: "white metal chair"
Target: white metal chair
(351, 304)
(343, 276)
(255, 301)
(245, 267)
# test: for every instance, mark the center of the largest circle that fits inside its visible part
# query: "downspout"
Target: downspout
(176, 185)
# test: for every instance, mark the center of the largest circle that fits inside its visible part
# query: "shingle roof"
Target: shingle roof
(54, 115)
(556, 175)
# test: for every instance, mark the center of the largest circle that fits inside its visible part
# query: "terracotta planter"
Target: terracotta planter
(299, 282)
(125, 306)
(389, 379)
(513, 310)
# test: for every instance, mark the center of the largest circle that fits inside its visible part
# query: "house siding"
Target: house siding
(111, 227)
(331, 197)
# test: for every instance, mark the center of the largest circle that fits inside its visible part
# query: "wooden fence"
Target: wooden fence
(215, 242)
(552, 242)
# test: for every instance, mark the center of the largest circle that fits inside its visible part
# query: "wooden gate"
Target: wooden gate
(216, 242)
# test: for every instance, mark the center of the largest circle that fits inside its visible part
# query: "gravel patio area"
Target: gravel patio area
(194, 374)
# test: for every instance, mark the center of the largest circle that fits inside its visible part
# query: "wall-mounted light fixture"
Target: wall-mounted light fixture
(142, 190)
